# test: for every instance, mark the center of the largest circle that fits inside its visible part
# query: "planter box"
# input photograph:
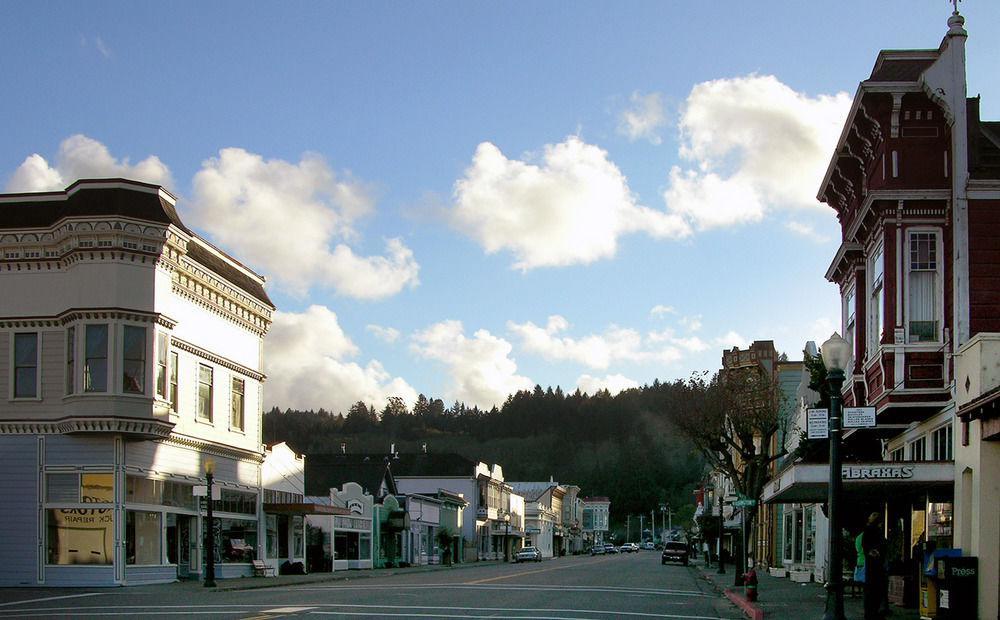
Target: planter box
(801, 576)
(777, 572)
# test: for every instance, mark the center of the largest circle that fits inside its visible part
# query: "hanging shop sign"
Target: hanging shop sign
(859, 417)
(882, 472)
(817, 424)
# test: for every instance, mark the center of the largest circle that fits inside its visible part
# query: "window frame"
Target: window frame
(71, 357)
(124, 361)
(912, 446)
(850, 319)
(173, 383)
(875, 311)
(233, 381)
(37, 388)
(948, 431)
(107, 358)
(199, 414)
(938, 282)
(162, 386)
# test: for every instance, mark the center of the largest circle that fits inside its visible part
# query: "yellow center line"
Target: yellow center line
(530, 572)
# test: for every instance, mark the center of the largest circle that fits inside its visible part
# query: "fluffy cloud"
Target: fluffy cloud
(806, 230)
(732, 339)
(385, 334)
(612, 383)
(306, 360)
(293, 221)
(643, 118)
(693, 323)
(660, 310)
(481, 370)
(616, 344)
(80, 157)
(755, 145)
(569, 208)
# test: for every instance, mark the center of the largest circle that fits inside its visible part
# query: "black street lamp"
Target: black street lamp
(210, 541)
(506, 540)
(836, 354)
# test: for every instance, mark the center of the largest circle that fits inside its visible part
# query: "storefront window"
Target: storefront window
(365, 547)
(939, 523)
(80, 535)
(238, 541)
(810, 551)
(158, 492)
(142, 537)
(240, 502)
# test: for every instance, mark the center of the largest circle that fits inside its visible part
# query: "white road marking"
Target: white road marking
(401, 610)
(50, 598)
(523, 587)
(285, 610)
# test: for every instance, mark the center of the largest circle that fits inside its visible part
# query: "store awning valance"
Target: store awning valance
(304, 509)
(807, 482)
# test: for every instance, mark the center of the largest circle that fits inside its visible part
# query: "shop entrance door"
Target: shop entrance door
(179, 543)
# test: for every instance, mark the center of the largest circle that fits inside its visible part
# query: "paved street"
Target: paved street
(617, 586)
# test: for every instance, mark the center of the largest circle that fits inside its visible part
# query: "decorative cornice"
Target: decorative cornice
(73, 315)
(216, 359)
(77, 424)
(214, 449)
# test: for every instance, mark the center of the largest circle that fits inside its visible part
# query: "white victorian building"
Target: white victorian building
(130, 360)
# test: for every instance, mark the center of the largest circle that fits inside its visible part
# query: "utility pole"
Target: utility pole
(641, 517)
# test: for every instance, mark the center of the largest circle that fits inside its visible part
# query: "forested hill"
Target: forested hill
(625, 447)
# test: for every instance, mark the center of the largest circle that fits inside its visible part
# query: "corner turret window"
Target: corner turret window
(134, 360)
(96, 364)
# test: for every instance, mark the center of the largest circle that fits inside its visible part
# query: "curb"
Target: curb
(752, 611)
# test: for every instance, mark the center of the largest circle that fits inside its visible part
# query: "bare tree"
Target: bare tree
(736, 422)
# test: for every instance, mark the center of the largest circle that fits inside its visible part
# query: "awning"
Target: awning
(807, 482)
(304, 509)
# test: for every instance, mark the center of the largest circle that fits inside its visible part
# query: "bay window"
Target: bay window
(70, 360)
(26, 365)
(876, 303)
(134, 360)
(173, 381)
(161, 365)
(850, 309)
(923, 319)
(96, 362)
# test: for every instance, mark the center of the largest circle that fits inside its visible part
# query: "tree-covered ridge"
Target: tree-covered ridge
(626, 446)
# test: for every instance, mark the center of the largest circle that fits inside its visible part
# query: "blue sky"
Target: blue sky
(462, 199)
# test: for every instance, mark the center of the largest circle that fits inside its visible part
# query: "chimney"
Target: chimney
(423, 447)
(343, 447)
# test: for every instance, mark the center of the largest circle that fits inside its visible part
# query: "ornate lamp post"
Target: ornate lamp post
(506, 540)
(210, 539)
(836, 356)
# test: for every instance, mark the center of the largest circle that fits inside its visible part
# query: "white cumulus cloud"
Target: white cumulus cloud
(568, 208)
(294, 221)
(643, 118)
(612, 383)
(480, 368)
(385, 334)
(660, 310)
(616, 344)
(82, 157)
(755, 145)
(307, 360)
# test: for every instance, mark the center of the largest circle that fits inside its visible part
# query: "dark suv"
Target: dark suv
(674, 552)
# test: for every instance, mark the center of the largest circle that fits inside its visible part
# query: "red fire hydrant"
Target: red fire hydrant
(750, 584)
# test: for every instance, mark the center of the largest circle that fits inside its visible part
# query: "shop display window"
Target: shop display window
(272, 535)
(237, 540)
(298, 544)
(80, 536)
(142, 537)
(158, 492)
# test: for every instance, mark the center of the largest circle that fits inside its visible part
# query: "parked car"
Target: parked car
(610, 549)
(597, 550)
(674, 551)
(528, 554)
(629, 548)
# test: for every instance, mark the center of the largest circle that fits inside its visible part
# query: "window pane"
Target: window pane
(25, 365)
(96, 370)
(70, 359)
(923, 305)
(173, 381)
(161, 365)
(97, 488)
(236, 417)
(62, 488)
(80, 536)
(205, 392)
(134, 360)
(142, 537)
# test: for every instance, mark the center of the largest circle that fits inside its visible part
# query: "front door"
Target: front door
(179, 544)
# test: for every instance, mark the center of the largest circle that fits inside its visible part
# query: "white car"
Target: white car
(629, 548)
(528, 554)
(649, 546)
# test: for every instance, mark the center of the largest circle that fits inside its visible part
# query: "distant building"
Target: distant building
(543, 502)
(596, 518)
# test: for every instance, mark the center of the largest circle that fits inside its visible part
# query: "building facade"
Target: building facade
(596, 519)
(130, 361)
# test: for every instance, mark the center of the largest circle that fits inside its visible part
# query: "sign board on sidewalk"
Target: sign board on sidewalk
(859, 417)
(744, 503)
(817, 424)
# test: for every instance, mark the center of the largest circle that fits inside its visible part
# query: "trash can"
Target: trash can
(959, 588)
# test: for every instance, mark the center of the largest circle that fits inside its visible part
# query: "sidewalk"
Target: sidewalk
(783, 598)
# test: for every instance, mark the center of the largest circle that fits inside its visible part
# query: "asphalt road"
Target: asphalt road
(592, 588)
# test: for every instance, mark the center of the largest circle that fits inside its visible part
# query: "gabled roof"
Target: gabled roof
(902, 65)
(328, 471)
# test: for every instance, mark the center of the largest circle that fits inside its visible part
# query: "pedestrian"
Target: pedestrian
(873, 546)
(707, 553)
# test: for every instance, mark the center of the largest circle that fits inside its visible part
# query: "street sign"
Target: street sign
(201, 490)
(817, 424)
(859, 417)
(744, 503)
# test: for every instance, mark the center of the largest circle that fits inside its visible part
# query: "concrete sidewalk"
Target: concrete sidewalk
(782, 598)
(255, 583)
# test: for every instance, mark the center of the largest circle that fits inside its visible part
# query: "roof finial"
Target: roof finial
(956, 21)
(955, 4)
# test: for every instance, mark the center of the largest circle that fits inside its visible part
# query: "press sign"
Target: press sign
(817, 424)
